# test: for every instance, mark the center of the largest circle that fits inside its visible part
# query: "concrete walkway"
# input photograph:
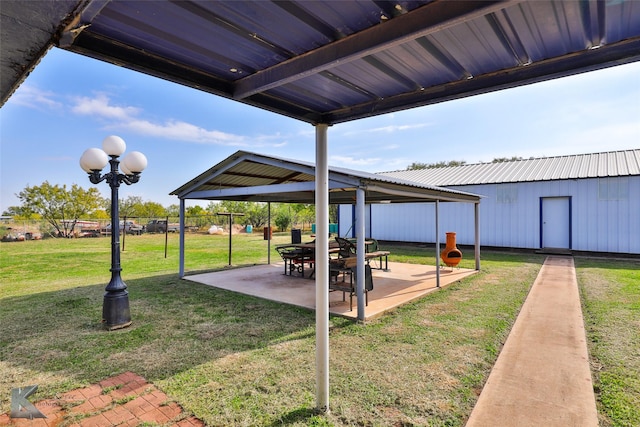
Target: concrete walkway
(542, 375)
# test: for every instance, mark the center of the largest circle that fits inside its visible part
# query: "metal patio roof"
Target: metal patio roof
(328, 61)
(246, 176)
(594, 165)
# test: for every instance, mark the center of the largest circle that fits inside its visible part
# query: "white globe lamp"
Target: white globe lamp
(135, 162)
(93, 159)
(114, 145)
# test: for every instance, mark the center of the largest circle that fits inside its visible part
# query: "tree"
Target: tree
(417, 165)
(506, 159)
(173, 210)
(61, 207)
(132, 206)
(283, 220)
(153, 210)
(135, 207)
(257, 214)
(196, 210)
(20, 212)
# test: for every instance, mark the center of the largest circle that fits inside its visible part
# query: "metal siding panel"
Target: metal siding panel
(455, 217)
(634, 215)
(597, 225)
(527, 230)
(597, 220)
(532, 220)
(601, 230)
(345, 219)
(489, 223)
(580, 217)
(622, 225)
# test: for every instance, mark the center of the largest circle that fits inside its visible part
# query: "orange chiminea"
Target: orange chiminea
(451, 255)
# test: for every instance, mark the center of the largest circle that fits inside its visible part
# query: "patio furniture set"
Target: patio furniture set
(342, 263)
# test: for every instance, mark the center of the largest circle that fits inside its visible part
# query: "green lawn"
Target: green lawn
(611, 308)
(237, 360)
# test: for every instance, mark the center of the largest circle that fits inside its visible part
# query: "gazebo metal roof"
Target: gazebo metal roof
(246, 176)
(328, 61)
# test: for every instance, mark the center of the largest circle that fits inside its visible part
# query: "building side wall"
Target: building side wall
(605, 215)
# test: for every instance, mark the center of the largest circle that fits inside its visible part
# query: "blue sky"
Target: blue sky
(70, 103)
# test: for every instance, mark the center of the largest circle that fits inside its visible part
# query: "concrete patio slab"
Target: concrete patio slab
(401, 284)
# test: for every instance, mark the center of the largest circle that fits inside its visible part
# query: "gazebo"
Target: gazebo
(328, 62)
(252, 177)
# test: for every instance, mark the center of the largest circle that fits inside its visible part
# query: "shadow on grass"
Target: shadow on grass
(177, 325)
(308, 416)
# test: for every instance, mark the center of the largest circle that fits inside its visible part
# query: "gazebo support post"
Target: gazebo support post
(477, 234)
(360, 249)
(182, 228)
(437, 243)
(269, 233)
(322, 269)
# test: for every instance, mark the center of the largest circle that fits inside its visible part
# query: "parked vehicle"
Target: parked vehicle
(130, 227)
(160, 226)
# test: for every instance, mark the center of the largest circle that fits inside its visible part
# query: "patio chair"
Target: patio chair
(347, 249)
(376, 253)
(350, 287)
(295, 257)
(288, 255)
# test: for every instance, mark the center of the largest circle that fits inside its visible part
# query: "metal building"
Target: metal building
(587, 202)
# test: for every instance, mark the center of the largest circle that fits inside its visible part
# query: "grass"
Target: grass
(231, 359)
(611, 307)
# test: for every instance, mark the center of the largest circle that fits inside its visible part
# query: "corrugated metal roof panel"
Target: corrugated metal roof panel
(333, 61)
(246, 176)
(595, 165)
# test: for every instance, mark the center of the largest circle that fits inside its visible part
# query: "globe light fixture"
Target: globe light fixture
(115, 305)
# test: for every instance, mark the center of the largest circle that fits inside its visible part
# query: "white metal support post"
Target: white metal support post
(360, 249)
(322, 269)
(437, 243)
(269, 233)
(477, 234)
(182, 228)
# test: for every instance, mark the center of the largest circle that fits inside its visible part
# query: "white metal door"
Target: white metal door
(556, 222)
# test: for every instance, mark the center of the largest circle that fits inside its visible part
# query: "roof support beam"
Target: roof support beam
(422, 21)
(250, 191)
(443, 197)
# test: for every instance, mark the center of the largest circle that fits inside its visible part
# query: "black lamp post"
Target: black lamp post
(115, 306)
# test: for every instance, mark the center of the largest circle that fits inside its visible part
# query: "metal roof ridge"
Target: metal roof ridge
(573, 166)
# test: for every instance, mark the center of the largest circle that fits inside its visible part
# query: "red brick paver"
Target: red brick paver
(125, 400)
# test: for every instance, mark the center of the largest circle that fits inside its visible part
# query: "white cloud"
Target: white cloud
(33, 97)
(183, 131)
(100, 106)
(127, 118)
(386, 129)
(352, 161)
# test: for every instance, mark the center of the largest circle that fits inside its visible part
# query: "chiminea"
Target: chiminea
(451, 255)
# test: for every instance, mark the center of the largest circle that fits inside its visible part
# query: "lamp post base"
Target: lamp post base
(115, 310)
